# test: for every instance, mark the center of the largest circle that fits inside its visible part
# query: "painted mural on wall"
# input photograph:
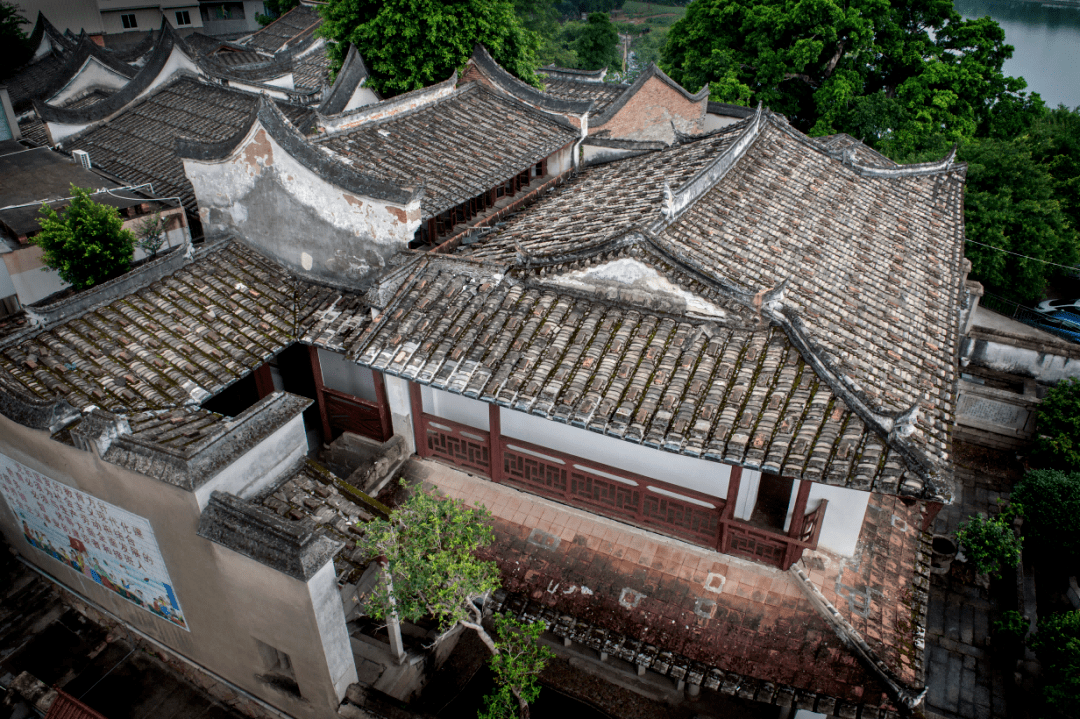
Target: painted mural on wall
(101, 541)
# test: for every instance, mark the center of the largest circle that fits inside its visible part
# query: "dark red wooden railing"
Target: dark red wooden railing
(633, 498)
(347, 413)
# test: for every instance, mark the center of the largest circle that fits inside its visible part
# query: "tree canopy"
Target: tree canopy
(14, 44)
(409, 44)
(897, 75)
(274, 10)
(88, 244)
(598, 44)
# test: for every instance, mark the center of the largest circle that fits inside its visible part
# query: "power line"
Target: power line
(1036, 259)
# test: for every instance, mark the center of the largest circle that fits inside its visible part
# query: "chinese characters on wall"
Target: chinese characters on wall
(105, 543)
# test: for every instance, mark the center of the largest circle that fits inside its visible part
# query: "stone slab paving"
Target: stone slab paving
(721, 610)
(961, 679)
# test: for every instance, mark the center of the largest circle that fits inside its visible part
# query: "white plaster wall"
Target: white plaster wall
(258, 89)
(715, 122)
(361, 97)
(397, 396)
(7, 287)
(223, 188)
(456, 408)
(682, 471)
(286, 81)
(261, 465)
(561, 161)
(843, 517)
(37, 284)
(90, 76)
(330, 620)
(748, 491)
(346, 376)
(1042, 366)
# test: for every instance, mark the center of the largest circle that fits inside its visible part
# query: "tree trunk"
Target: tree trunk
(523, 706)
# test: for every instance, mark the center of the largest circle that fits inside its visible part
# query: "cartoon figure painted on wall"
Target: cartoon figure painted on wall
(102, 542)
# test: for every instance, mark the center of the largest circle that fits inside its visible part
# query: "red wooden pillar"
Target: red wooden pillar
(316, 371)
(798, 518)
(432, 231)
(384, 405)
(799, 515)
(495, 438)
(416, 403)
(729, 506)
(264, 381)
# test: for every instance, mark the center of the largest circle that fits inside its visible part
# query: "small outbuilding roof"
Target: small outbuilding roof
(457, 147)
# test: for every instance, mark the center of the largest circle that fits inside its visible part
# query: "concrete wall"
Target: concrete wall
(397, 396)
(32, 279)
(91, 76)
(145, 19)
(263, 195)
(64, 14)
(649, 114)
(228, 599)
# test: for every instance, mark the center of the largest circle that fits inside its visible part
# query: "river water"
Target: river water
(1047, 42)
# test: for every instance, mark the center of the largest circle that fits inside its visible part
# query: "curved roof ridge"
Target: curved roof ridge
(523, 91)
(167, 42)
(352, 74)
(575, 74)
(428, 95)
(43, 27)
(74, 63)
(652, 71)
(324, 164)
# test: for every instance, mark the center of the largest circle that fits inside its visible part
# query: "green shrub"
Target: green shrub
(1010, 630)
(88, 244)
(1058, 424)
(991, 544)
(1051, 501)
(1057, 644)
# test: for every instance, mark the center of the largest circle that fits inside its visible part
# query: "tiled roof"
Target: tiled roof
(602, 93)
(177, 428)
(139, 145)
(602, 202)
(312, 70)
(33, 129)
(298, 22)
(31, 80)
(841, 145)
(871, 256)
(457, 147)
(169, 344)
(735, 390)
(873, 266)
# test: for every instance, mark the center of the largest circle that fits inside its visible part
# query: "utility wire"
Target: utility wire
(1036, 259)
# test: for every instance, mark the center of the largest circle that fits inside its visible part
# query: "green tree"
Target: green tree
(14, 44)
(598, 44)
(88, 244)
(1051, 500)
(1010, 204)
(1058, 425)
(899, 73)
(991, 544)
(428, 549)
(152, 234)
(274, 10)
(409, 44)
(1054, 139)
(519, 661)
(1057, 644)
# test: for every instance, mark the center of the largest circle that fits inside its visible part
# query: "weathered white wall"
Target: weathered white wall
(1048, 364)
(398, 105)
(228, 599)
(330, 620)
(715, 122)
(748, 491)
(682, 471)
(843, 517)
(91, 76)
(361, 97)
(263, 195)
(345, 376)
(456, 408)
(259, 466)
(397, 396)
(258, 89)
(561, 161)
(32, 279)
